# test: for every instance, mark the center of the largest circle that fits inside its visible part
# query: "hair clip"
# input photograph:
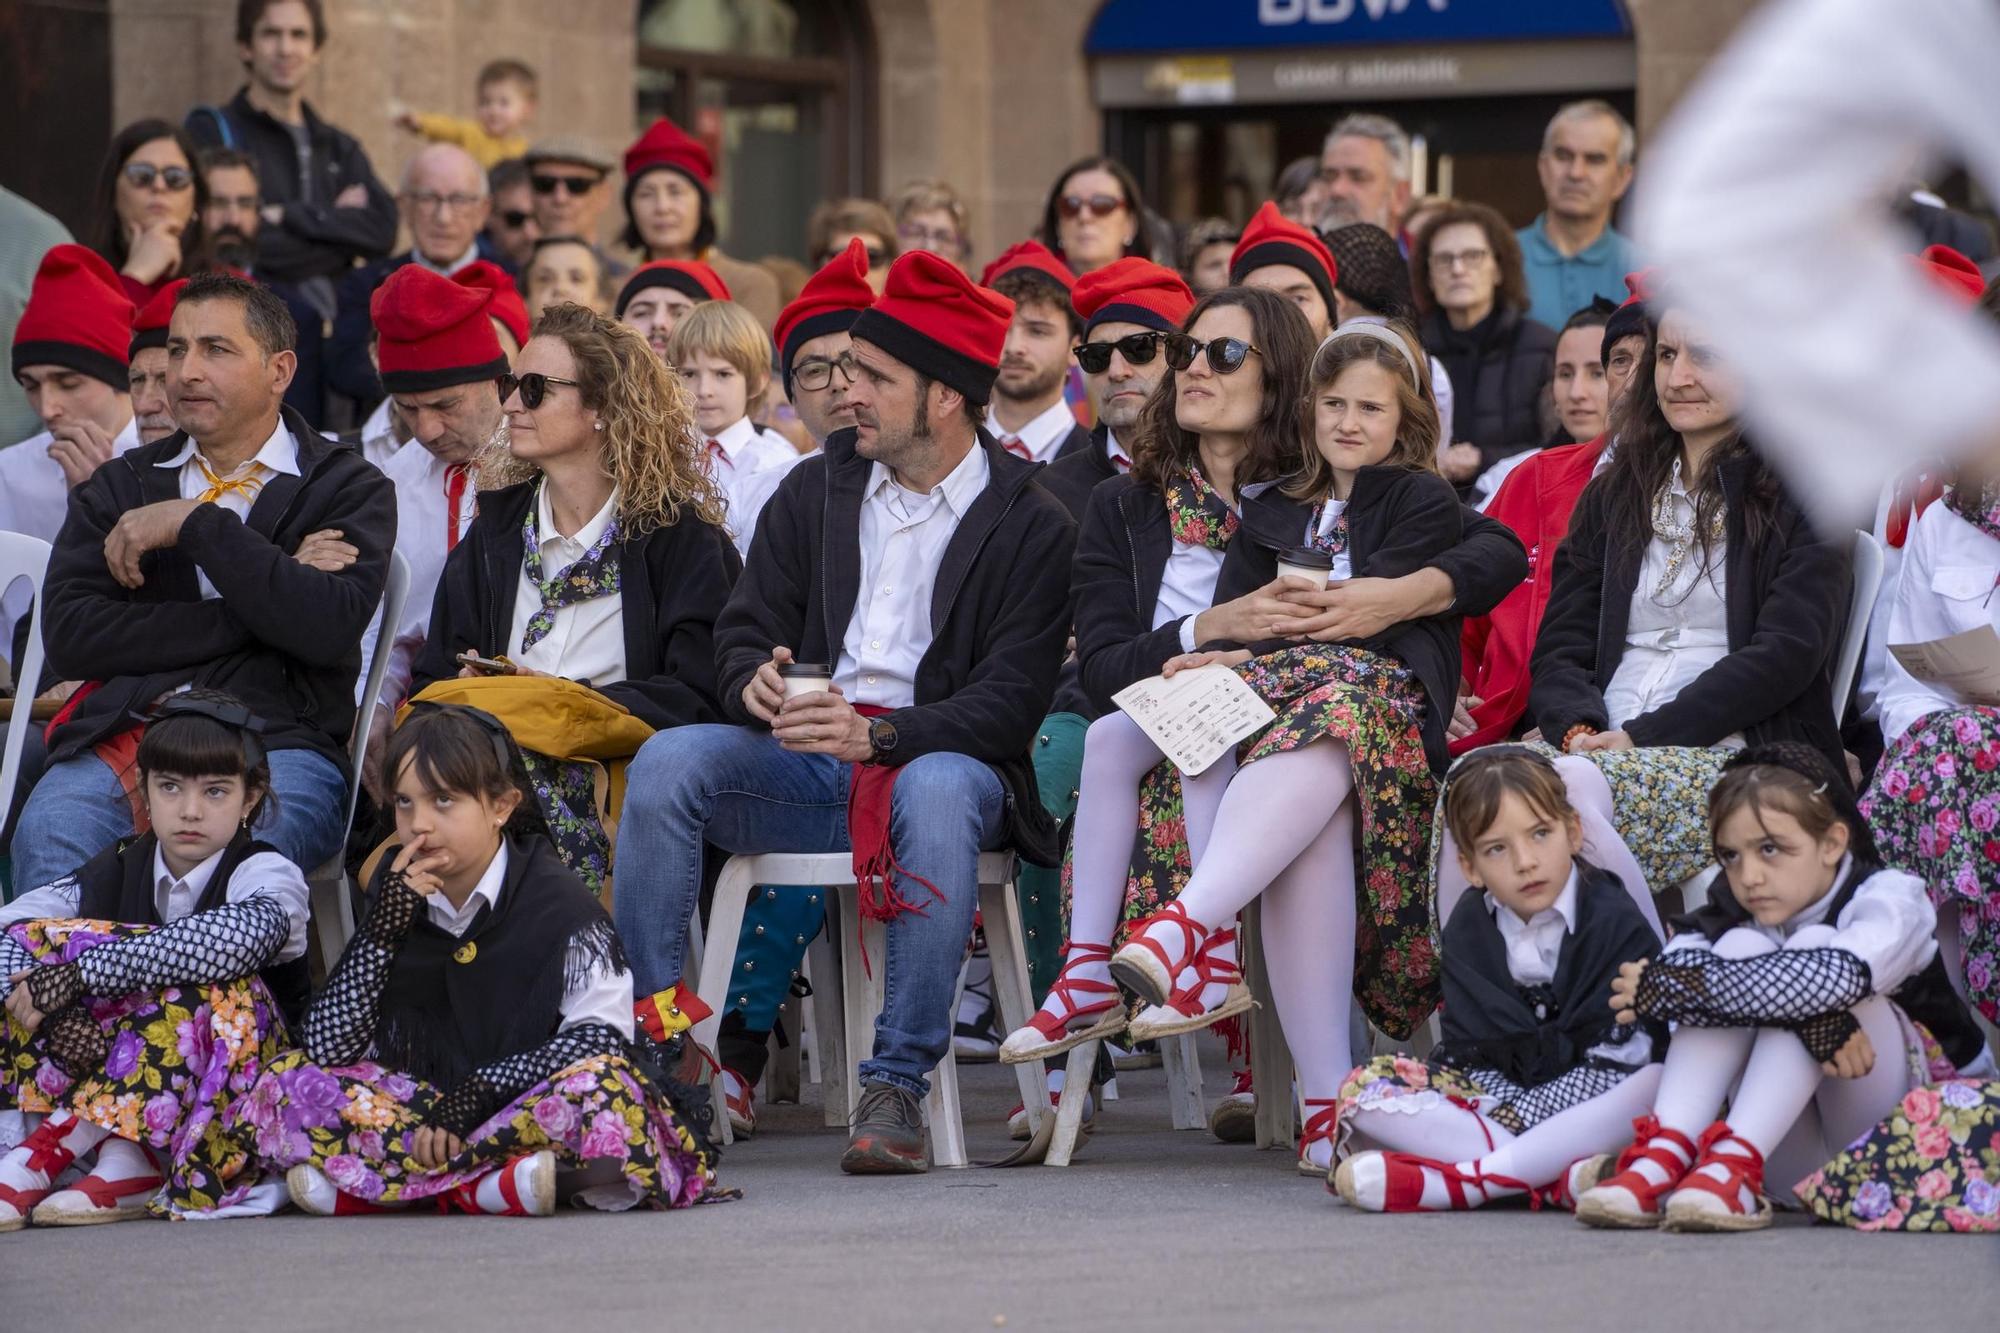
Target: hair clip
(1820, 790)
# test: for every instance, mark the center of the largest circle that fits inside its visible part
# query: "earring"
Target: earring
(597, 425)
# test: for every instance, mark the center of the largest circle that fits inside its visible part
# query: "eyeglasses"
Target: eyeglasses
(1225, 355)
(1138, 349)
(877, 256)
(572, 185)
(533, 386)
(1072, 206)
(1468, 259)
(514, 218)
(817, 374)
(941, 240)
(143, 174)
(430, 201)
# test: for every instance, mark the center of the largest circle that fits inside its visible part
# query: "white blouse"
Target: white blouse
(588, 639)
(1950, 572)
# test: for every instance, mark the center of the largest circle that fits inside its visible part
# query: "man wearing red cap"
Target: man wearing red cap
(1028, 414)
(148, 370)
(812, 339)
(175, 567)
(441, 361)
(70, 356)
(920, 563)
(1278, 254)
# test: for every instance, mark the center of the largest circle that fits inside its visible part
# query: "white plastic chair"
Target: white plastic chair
(332, 894)
(1868, 565)
(22, 557)
(853, 992)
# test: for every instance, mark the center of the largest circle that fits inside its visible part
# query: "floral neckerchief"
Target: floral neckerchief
(594, 575)
(1198, 514)
(1979, 508)
(1334, 540)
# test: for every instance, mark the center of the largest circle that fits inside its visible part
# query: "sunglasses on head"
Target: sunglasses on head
(1225, 355)
(533, 387)
(573, 185)
(143, 174)
(1138, 349)
(1097, 205)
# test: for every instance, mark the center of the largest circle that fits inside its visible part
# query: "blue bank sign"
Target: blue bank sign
(1134, 27)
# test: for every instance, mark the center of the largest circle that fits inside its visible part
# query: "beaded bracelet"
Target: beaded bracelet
(1580, 729)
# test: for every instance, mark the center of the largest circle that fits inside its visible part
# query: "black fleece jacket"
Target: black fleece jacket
(999, 612)
(283, 637)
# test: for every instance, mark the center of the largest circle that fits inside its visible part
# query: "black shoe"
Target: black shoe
(888, 1134)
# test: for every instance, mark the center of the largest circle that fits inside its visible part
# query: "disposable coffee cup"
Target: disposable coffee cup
(1308, 563)
(805, 678)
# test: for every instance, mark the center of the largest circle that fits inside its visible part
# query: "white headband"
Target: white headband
(1357, 329)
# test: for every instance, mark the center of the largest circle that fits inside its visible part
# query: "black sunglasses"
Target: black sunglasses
(1097, 205)
(514, 218)
(1225, 355)
(533, 386)
(575, 185)
(877, 256)
(1138, 349)
(143, 174)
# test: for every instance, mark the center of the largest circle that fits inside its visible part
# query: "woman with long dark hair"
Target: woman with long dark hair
(147, 208)
(1094, 215)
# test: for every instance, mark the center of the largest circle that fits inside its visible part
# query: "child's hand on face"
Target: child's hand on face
(1625, 992)
(1854, 1059)
(418, 862)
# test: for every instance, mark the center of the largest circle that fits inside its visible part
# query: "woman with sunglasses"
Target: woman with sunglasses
(670, 214)
(598, 555)
(148, 207)
(837, 221)
(1094, 215)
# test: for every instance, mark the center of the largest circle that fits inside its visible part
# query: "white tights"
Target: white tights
(1603, 846)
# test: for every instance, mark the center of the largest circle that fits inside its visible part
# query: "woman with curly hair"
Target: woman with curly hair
(598, 557)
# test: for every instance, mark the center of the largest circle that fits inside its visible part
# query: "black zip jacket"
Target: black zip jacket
(1787, 597)
(672, 584)
(999, 609)
(1077, 471)
(283, 637)
(1499, 368)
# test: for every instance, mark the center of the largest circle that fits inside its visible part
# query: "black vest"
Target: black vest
(117, 885)
(1928, 997)
(453, 1004)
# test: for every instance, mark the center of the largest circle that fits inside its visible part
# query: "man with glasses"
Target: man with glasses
(1028, 414)
(567, 182)
(1572, 253)
(444, 203)
(323, 207)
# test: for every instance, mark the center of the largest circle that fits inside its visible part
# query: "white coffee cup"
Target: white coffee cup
(805, 678)
(1305, 562)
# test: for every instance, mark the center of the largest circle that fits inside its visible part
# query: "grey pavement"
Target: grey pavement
(1150, 1229)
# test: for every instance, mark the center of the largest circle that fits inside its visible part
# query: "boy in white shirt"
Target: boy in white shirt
(724, 358)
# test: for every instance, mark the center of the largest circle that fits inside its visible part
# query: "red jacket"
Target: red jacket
(1535, 501)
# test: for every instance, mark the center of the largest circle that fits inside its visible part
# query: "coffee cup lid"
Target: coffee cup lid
(1309, 557)
(805, 669)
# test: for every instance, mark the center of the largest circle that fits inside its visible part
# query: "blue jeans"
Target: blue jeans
(78, 809)
(740, 790)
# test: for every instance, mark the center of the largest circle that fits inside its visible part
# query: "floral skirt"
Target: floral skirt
(1932, 1165)
(566, 790)
(1934, 807)
(355, 1123)
(1659, 803)
(180, 1060)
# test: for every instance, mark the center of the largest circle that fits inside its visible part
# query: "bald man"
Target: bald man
(444, 203)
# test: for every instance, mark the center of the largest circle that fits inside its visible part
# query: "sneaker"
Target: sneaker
(1234, 1118)
(738, 1096)
(888, 1133)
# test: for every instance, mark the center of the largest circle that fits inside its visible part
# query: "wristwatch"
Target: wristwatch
(881, 739)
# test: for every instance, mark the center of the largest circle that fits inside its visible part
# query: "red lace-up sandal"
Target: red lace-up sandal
(48, 1158)
(1077, 1010)
(1703, 1203)
(1628, 1199)
(1186, 1009)
(1145, 967)
(524, 1187)
(1321, 1126)
(94, 1200)
(1393, 1182)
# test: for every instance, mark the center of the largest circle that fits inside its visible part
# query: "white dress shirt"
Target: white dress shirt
(279, 453)
(1534, 947)
(587, 641)
(1763, 203)
(423, 537)
(601, 995)
(1671, 638)
(1121, 461)
(1040, 437)
(379, 442)
(752, 464)
(34, 499)
(903, 536)
(260, 875)
(1950, 572)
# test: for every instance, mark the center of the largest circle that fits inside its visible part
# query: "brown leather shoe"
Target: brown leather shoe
(888, 1134)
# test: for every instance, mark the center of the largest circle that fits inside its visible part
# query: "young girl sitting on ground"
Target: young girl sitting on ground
(136, 1016)
(1533, 1071)
(474, 1037)
(1792, 992)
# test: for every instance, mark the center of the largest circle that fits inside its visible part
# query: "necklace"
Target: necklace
(1677, 532)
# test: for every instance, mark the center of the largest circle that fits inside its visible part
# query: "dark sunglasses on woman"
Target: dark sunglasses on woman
(143, 174)
(877, 256)
(1138, 349)
(1225, 355)
(534, 386)
(1073, 206)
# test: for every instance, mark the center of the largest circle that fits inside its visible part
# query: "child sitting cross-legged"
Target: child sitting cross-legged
(1534, 1071)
